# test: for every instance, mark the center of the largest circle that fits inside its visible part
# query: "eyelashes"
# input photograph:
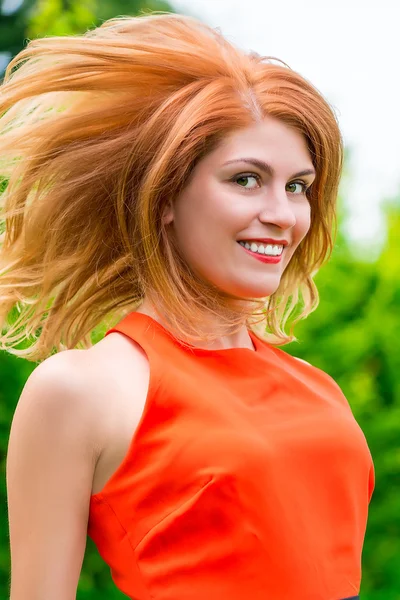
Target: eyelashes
(246, 176)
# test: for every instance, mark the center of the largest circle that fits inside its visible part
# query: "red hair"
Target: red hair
(97, 132)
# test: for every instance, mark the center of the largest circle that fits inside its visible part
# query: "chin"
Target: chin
(248, 287)
(252, 291)
(258, 294)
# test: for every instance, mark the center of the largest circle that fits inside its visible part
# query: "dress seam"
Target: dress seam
(104, 501)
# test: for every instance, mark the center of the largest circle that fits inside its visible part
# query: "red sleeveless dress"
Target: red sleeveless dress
(247, 478)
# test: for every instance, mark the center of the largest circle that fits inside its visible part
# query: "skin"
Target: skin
(224, 203)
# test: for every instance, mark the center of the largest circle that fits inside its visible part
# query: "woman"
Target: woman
(167, 184)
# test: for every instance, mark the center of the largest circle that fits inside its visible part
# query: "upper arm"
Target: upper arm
(50, 465)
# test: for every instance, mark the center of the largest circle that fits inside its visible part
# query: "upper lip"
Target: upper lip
(266, 241)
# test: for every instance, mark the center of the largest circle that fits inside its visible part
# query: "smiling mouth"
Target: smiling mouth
(271, 259)
(271, 250)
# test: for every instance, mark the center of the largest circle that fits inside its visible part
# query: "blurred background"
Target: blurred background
(349, 50)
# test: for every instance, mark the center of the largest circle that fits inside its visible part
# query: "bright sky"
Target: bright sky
(350, 50)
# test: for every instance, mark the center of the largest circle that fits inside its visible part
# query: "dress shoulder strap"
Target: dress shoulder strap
(153, 338)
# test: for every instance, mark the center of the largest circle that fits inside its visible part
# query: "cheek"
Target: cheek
(211, 213)
(195, 225)
(303, 222)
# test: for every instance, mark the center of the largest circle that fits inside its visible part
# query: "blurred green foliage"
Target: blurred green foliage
(39, 18)
(13, 27)
(353, 336)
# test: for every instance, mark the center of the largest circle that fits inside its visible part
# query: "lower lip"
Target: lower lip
(265, 259)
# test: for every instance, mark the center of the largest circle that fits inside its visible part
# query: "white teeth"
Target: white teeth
(269, 249)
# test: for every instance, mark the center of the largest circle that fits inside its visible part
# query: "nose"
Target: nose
(278, 210)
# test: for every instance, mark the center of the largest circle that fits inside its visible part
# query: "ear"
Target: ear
(168, 214)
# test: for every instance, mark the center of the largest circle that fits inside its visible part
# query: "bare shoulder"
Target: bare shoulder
(95, 382)
(58, 380)
(61, 388)
(102, 391)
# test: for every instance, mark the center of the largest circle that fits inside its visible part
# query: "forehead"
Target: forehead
(270, 140)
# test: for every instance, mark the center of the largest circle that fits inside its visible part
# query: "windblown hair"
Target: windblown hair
(97, 133)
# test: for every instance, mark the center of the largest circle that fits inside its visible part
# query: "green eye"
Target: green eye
(245, 181)
(302, 184)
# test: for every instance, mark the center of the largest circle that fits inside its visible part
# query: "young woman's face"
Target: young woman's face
(249, 190)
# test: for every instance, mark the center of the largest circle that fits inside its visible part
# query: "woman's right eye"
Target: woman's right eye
(244, 179)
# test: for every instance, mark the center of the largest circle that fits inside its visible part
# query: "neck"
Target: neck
(239, 339)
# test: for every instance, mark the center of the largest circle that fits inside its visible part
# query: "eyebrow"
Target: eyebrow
(263, 166)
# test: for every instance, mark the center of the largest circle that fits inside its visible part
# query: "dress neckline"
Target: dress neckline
(259, 346)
